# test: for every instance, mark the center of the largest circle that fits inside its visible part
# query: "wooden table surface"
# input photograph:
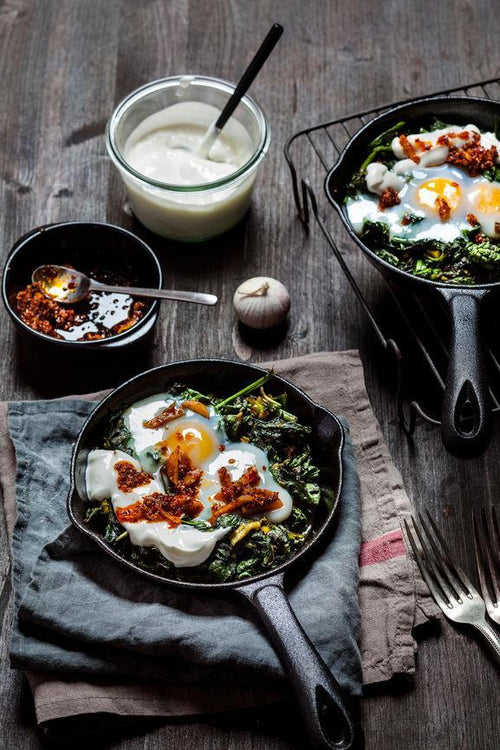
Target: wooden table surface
(64, 65)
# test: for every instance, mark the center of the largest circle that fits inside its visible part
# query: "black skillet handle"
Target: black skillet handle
(325, 711)
(467, 393)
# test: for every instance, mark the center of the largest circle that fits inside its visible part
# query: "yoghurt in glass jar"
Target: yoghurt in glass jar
(152, 138)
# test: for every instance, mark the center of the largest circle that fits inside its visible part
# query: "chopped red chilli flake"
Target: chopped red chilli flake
(259, 501)
(128, 476)
(446, 138)
(443, 208)
(178, 505)
(471, 156)
(171, 412)
(388, 198)
(152, 508)
(243, 494)
(408, 149)
(422, 145)
(198, 407)
(45, 315)
(184, 482)
(180, 473)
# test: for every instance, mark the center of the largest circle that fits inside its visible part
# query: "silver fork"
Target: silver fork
(487, 547)
(450, 587)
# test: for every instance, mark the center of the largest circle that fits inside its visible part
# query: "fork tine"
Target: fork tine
(454, 569)
(479, 561)
(442, 561)
(435, 562)
(436, 593)
(489, 555)
(496, 533)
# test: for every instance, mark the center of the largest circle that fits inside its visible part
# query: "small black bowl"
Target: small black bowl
(86, 246)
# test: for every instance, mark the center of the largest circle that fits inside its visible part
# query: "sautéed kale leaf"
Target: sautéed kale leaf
(472, 258)
(251, 546)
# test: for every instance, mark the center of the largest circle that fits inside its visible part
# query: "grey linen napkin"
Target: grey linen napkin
(77, 609)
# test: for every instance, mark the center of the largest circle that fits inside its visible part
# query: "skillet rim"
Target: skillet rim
(207, 587)
(387, 114)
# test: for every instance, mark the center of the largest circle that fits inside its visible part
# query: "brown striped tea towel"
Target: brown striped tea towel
(393, 598)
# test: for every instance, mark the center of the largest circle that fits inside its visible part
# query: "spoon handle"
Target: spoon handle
(199, 298)
(244, 84)
(248, 76)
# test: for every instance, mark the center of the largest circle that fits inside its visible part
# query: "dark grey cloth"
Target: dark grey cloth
(79, 611)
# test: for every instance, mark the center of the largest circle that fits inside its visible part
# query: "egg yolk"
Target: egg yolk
(433, 192)
(487, 199)
(197, 443)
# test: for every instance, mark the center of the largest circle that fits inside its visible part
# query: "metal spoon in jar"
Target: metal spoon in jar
(242, 87)
(239, 92)
(68, 286)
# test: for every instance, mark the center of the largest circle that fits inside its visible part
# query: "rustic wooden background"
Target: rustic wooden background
(64, 64)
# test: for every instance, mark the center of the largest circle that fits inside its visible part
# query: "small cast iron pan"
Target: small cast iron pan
(325, 710)
(466, 394)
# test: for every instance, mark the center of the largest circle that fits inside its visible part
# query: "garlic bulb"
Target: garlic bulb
(261, 302)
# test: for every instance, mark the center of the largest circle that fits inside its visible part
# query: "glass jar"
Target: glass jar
(189, 213)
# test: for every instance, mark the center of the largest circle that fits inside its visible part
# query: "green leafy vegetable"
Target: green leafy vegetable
(486, 253)
(381, 145)
(102, 518)
(251, 546)
(410, 218)
(265, 423)
(376, 234)
(222, 565)
(435, 125)
(357, 184)
(188, 394)
(471, 258)
(388, 257)
(492, 174)
(247, 389)
(118, 437)
(200, 525)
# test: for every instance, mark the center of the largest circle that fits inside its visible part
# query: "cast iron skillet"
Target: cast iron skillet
(325, 710)
(466, 392)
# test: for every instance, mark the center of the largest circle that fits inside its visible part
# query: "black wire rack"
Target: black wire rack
(310, 154)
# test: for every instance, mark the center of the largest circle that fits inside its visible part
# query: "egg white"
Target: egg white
(236, 458)
(198, 437)
(144, 410)
(184, 545)
(488, 216)
(365, 207)
(140, 412)
(407, 176)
